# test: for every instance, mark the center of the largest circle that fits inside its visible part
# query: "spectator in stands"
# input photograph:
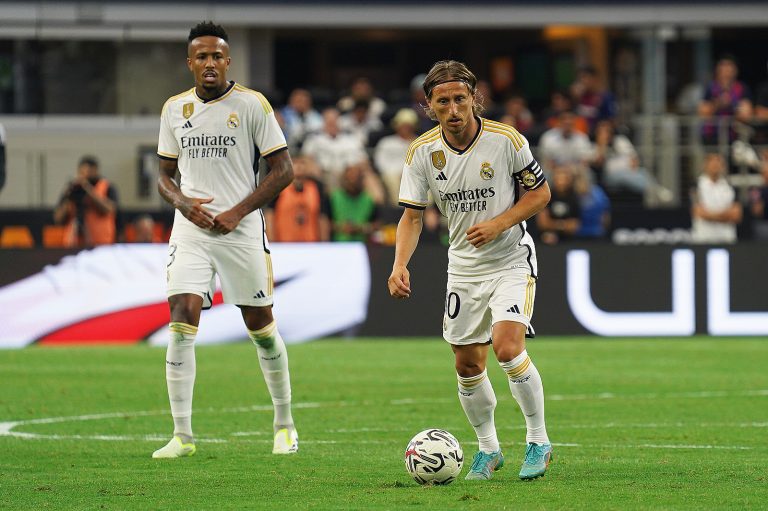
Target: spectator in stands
(560, 102)
(301, 213)
(761, 113)
(389, 155)
(561, 219)
(88, 207)
(332, 149)
(758, 205)
(362, 89)
(595, 206)
(144, 230)
(564, 145)
(299, 117)
(353, 210)
(592, 102)
(615, 160)
(359, 122)
(2, 157)
(418, 104)
(715, 212)
(725, 98)
(516, 114)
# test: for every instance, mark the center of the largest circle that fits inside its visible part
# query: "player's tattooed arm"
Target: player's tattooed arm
(280, 175)
(191, 208)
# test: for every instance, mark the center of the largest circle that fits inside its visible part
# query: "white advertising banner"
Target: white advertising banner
(117, 294)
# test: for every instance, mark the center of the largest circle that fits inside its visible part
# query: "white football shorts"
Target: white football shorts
(472, 308)
(245, 272)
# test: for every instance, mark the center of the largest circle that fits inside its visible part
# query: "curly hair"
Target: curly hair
(446, 71)
(206, 28)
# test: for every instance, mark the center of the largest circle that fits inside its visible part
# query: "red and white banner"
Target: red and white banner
(117, 294)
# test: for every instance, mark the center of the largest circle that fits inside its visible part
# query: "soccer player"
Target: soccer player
(213, 135)
(484, 179)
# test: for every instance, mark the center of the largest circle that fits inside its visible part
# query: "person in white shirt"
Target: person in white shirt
(299, 117)
(389, 154)
(332, 149)
(483, 178)
(213, 135)
(564, 144)
(715, 212)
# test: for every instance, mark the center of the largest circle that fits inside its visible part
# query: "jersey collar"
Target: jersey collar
(217, 98)
(471, 144)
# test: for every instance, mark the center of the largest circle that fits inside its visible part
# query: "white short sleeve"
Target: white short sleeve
(267, 134)
(167, 145)
(414, 189)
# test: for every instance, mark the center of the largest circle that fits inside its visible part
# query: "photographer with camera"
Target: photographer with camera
(88, 207)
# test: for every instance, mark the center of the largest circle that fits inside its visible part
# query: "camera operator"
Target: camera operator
(88, 207)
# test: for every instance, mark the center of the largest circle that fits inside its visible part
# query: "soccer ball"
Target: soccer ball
(434, 456)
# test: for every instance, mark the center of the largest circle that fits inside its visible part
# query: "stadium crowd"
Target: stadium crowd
(349, 150)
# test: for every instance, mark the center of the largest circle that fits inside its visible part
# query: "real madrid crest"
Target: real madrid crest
(188, 109)
(233, 121)
(486, 171)
(528, 178)
(438, 159)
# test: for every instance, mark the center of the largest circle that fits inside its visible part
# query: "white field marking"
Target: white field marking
(7, 427)
(659, 395)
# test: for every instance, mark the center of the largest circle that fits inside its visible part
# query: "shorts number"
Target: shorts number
(450, 304)
(171, 254)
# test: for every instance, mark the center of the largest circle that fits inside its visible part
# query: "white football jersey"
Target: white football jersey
(217, 144)
(471, 186)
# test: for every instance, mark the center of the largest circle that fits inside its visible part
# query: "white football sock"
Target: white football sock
(180, 377)
(479, 402)
(526, 387)
(273, 359)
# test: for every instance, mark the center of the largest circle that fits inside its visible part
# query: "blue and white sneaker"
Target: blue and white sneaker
(484, 465)
(537, 458)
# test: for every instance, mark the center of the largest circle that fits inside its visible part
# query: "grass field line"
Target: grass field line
(268, 441)
(7, 427)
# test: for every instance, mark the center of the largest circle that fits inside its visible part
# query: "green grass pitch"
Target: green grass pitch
(636, 424)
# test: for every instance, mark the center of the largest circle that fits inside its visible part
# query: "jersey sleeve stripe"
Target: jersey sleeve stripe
(507, 134)
(512, 132)
(262, 99)
(168, 156)
(412, 205)
(420, 142)
(174, 98)
(273, 150)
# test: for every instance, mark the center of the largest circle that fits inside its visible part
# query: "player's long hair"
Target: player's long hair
(451, 71)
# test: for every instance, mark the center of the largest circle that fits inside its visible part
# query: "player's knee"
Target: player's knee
(466, 369)
(506, 351)
(184, 310)
(257, 318)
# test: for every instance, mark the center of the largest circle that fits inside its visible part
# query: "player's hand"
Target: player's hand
(399, 283)
(226, 222)
(484, 232)
(193, 210)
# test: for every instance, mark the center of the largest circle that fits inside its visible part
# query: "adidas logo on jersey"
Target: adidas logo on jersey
(441, 177)
(187, 124)
(260, 294)
(514, 309)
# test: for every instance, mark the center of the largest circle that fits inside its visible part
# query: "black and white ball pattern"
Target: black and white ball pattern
(434, 456)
